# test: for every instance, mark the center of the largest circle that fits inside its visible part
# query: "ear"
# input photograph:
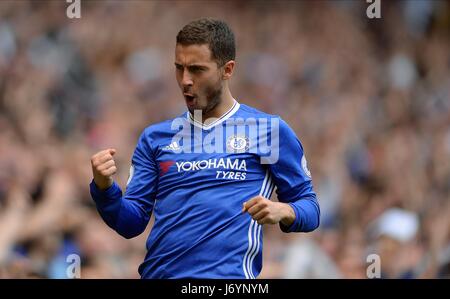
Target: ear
(228, 69)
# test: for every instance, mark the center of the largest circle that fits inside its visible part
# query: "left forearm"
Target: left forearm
(308, 213)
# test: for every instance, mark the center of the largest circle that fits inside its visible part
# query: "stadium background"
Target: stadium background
(369, 98)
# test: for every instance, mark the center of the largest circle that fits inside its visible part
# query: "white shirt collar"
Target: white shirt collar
(216, 122)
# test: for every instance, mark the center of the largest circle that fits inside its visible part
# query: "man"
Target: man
(208, 186)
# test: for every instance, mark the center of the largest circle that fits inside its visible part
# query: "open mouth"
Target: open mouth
(190, 99)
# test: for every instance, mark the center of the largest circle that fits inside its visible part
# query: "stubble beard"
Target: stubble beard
(213, 99)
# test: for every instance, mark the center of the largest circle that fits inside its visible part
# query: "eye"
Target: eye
(196, 69)
(179, 67)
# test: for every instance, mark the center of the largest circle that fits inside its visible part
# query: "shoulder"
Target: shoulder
(248, 111)
(274, 121)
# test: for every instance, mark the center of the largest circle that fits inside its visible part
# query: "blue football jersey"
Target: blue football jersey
(195, 178)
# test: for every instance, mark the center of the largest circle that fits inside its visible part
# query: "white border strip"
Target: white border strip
(250, 229)
(258, 234)
(254, 231)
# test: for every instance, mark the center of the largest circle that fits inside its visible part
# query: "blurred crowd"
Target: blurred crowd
(369, 99)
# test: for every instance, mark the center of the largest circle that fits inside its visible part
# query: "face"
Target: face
(199, 77)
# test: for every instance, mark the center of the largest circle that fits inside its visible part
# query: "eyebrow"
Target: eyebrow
(192, 65)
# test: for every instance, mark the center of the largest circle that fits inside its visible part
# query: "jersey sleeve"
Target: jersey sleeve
(129, 214)
(293, 181)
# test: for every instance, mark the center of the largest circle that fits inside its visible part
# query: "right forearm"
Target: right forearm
(107, 202)
(124, 216)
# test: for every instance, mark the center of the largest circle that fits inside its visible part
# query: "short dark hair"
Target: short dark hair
(215, 33)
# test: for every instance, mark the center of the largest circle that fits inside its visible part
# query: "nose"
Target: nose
(186, 79)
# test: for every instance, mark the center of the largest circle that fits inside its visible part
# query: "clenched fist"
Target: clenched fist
(265, 211)
(103, 167)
